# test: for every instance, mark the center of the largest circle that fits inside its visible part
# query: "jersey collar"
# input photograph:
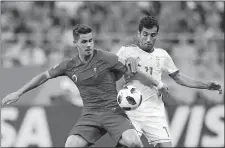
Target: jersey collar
(138, 44)
(78, 60)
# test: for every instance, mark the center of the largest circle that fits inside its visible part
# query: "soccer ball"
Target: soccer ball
(129, 98)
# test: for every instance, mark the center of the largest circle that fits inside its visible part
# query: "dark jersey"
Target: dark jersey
(96, 80)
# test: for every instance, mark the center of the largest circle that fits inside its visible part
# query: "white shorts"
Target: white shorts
(155, 129)
(149, 119)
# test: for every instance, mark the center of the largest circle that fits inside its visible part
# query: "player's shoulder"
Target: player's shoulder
(62, 66)
(106, 55)
(161, 51)
(72, 62)
(129, 46)
(106, 58)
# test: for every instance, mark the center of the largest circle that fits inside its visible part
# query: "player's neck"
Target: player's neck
(146, 50)
(85, 58)
(150, 50)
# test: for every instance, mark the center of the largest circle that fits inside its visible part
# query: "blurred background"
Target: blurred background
(36, 36)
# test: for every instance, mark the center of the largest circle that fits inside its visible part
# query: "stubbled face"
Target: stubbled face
(147, 38)
(85, 44)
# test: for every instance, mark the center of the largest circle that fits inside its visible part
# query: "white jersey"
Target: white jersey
(150, 64)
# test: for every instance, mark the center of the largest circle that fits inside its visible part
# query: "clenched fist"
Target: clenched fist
(13, 97)
(215, 86)
(132, 63)
(163, 91)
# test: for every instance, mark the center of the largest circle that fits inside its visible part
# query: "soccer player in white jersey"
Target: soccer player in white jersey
(149, 119)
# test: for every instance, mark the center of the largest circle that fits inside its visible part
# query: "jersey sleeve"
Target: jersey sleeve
(59, 70)
(119, 69)
(169, 65)
(115, 64)
(122, 54)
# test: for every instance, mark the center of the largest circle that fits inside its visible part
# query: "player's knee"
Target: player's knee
(76, 141)
(131, 139)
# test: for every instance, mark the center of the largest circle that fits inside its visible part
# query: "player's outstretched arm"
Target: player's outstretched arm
(35, 82)
(41, 78)
(184, 80)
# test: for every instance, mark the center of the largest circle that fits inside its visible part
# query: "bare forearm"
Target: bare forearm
(146, 79)
(149, 79)
(119, 84)
(189, 82)
(35, 82)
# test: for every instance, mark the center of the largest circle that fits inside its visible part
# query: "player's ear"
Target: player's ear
(138, 33)
(75, 43)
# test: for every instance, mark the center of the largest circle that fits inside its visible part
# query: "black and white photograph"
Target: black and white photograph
(112, 73)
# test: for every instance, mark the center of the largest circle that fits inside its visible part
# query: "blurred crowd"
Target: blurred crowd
(40, 33)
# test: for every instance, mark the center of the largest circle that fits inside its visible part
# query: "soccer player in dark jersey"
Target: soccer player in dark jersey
(95, 73)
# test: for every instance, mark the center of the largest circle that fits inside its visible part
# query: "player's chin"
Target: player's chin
(89, 52)
(149, 47)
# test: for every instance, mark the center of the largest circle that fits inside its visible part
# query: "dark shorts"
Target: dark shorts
(93, 125)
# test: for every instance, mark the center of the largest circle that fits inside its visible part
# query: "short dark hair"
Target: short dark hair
(80, 29)
(148, 22)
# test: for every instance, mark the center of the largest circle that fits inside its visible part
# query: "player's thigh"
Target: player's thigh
(76, 141)
(130, 138)
(120, 127)
(89, 128)
(156, 130)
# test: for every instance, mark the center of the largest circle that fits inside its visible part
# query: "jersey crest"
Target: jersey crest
(74, 77)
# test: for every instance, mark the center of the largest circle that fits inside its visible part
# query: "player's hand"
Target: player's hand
(215, 86)
(132, 63)
(13, 97)
(163, 91)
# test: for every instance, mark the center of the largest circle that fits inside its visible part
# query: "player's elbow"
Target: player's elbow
(178, 78)
(44, 76)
